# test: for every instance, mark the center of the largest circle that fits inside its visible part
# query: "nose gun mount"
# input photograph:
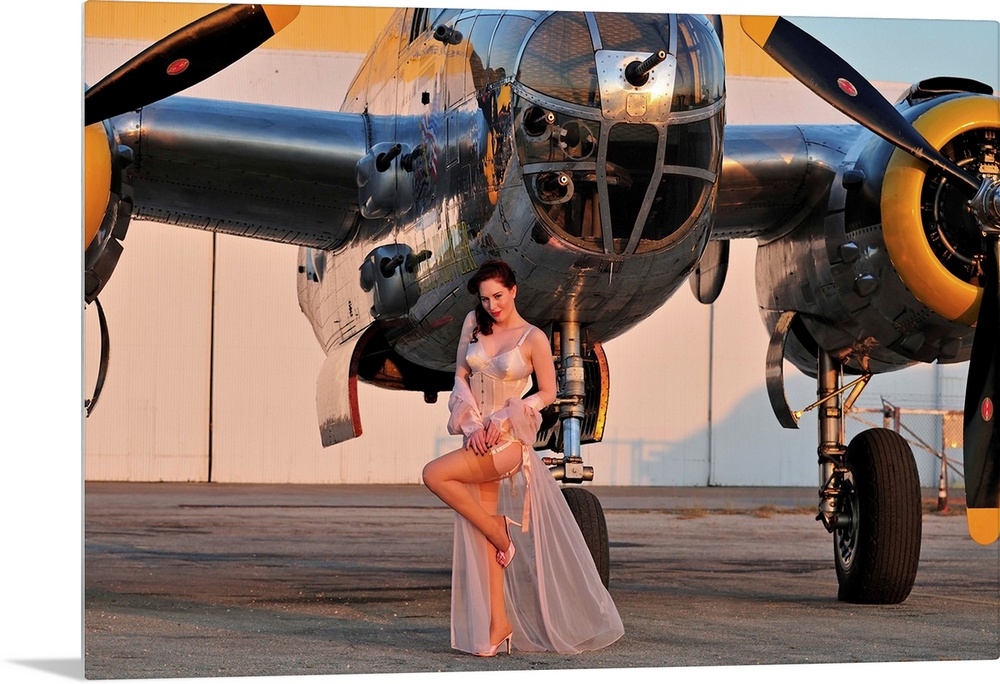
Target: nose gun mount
(636, 86)
(637, 73)
(385, 187)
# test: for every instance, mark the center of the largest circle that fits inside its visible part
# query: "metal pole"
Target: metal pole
(830, 427)
(942, 502)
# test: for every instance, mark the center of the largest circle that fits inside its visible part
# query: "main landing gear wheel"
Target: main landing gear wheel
(590, 518)
(878, 547)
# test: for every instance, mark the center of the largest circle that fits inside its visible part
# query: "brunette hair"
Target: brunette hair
(492, 269)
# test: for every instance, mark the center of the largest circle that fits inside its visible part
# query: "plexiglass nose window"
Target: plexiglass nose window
(559, 60)
(633, 32)
(701, 77)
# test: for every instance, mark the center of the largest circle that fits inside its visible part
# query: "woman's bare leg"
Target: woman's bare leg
(499, 623)
(449, 476)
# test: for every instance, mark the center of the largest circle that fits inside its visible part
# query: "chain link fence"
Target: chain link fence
(934, 435)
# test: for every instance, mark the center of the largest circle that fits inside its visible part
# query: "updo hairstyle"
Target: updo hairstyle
(492, 269)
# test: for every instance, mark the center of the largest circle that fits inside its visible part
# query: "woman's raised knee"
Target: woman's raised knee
(428, 476)
(434, 474)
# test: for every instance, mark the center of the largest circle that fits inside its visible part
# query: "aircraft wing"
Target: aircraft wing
(280, 174)
(273, 173)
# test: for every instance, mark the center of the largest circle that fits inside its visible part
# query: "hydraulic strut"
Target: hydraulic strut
(831, 451)
(570, 403)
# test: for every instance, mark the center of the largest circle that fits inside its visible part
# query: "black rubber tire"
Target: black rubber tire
(877, 556)
(590, 518)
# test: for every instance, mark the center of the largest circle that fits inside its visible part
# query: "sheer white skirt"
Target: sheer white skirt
(554, 595)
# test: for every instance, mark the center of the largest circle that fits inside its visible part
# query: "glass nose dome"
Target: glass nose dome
(612, 163)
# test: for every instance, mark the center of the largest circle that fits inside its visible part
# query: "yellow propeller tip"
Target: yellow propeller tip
(758, 28)
(984, 524)
(281, 16)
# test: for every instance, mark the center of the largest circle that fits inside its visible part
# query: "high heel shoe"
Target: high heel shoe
(505, 557)
(493, 651)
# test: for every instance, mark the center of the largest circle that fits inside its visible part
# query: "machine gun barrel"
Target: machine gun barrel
(384, 159)
(637, 73)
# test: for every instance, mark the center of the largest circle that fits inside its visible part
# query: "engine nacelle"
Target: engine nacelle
(889, 275)
(107, 205)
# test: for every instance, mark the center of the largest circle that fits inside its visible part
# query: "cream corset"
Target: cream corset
(492, 393)
(495, 379)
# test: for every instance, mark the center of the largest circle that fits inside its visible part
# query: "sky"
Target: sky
(918, 49)
(40, 409)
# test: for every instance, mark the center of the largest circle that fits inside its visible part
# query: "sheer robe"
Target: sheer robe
(554, 595)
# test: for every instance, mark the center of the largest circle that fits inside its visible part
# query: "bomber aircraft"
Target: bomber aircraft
(590, 150)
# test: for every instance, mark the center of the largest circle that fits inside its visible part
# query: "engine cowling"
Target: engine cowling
(929, 232)
(888, 276)
(107, 205)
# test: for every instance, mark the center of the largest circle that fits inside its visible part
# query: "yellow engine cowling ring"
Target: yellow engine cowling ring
(96, 180)
(902, 227)
(107, 205)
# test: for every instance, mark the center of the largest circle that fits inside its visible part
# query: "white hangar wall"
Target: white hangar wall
(688, 405)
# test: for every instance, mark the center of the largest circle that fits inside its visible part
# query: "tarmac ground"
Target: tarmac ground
(214, 580)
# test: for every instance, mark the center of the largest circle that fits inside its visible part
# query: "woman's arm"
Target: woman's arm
(462, 369)
(540, 357)
(465, 418)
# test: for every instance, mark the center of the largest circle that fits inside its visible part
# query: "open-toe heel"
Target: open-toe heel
(505, 557)
(493, 650)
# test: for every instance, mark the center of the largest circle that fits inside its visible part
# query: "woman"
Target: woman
(522, 574)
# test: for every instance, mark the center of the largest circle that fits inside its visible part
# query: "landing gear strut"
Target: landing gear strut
(869, 500)
(570, 469)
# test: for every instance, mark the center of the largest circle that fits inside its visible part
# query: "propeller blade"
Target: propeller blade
(185, 57)
(981, 434)
(833, 79)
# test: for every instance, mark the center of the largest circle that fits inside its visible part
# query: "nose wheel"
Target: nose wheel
(845, 536)
(589, 518)
(870, 502)
(876, 538)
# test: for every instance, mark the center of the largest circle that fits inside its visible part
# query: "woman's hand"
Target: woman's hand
(492, 433)
(478, 443)
(484, 439)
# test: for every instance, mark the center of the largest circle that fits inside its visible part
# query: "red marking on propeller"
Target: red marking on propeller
(178, 66)
(847, 87)
(987, 409)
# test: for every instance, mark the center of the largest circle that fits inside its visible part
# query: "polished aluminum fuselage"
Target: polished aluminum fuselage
(602, 197)
(289, 175)
(472, 200)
